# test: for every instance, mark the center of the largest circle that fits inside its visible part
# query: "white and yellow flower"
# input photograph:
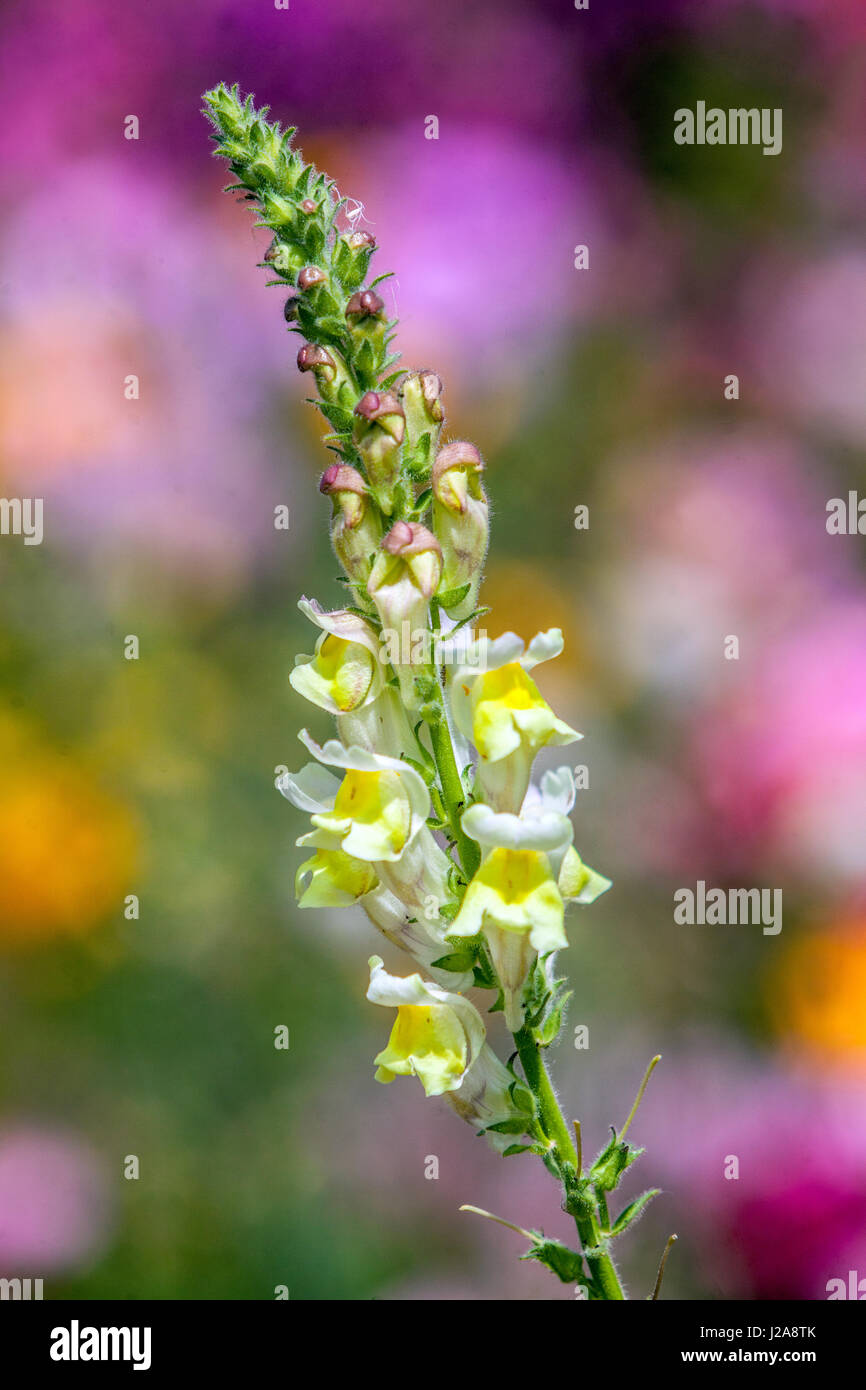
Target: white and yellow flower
(332, 878)
(373, 813)
(576, 881)
(498, 706)
(439, 1036)
(344, 672)
(514, 898)
(345, 676)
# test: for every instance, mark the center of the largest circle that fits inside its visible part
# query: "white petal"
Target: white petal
(312, 789)
(543, 647)
(351, 627)
(547, 831)
(557, 790)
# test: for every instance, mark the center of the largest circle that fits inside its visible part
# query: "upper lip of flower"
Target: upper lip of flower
(546, 830)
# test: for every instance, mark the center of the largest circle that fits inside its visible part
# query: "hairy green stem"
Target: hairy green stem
(601, 1266)
(453, 794)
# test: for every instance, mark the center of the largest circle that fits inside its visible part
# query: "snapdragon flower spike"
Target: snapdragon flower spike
(439, 1036)
(513, 898)
(373, 840)
(405, 576)
(461, 520)
(373, 813)
(356, 528)
(499, 708)
(380, 426)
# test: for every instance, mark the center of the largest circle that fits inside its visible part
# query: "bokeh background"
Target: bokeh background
(154, 1036)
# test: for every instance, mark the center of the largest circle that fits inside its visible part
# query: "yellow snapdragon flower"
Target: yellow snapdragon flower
(344, 673)
(499, 708)
(373, 813)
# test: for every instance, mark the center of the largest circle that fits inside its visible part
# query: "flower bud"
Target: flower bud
(307, 207)
(352, 257)
(312, 358)
(328, 368)
(404, 578)
(422, 403)
(379, 429)
(366, 319)
(461, 521)
(285, 258)
(360, 241)
(364, 304)
(311, 275)
(356, 531)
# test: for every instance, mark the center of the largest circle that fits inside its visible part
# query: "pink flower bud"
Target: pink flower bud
(360, 241)
(461, 521)
(311, 275)
(422, 403)
(364, 304)
(312, 358)
(356, 530)
(379, 429)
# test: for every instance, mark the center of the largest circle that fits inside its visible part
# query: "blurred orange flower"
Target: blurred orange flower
(67, 848)
(819, 995)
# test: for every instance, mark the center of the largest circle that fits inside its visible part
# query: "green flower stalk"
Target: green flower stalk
(423, 809)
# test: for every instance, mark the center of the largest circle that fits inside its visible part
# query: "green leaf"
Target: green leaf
(508, 1127)
(548, 1032)
(473, 618)
(458, 962)
(484, 976)
(447, 913)
(633, 1211)
(612, 1163)
(452, 597)
(565, 1263)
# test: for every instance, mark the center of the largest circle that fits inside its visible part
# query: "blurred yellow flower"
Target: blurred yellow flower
(819, 995)
(67, 848)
